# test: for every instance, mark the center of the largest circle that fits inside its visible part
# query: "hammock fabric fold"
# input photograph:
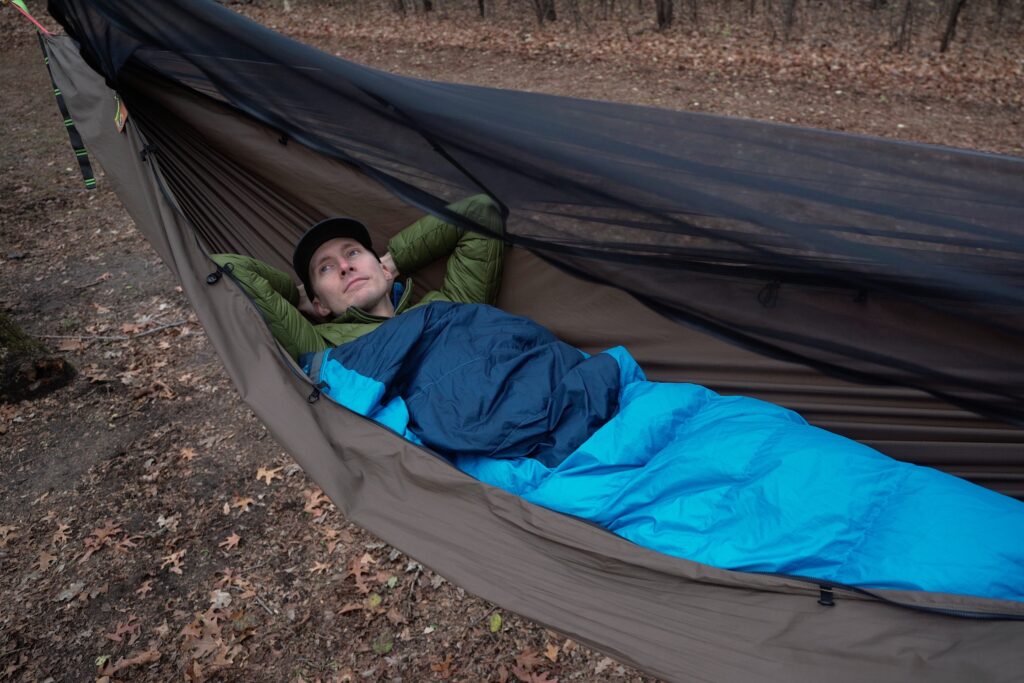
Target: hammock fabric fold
(756, 259)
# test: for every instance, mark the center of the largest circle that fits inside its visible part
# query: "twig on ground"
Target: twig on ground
(259, 601)
(11, 652)
(114, 337)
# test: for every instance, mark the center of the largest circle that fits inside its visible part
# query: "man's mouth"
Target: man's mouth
(352, 282)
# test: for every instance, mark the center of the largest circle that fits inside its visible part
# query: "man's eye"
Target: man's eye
(352, 252)
(324, 268)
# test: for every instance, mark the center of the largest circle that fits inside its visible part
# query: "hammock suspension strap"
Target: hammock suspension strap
(73, 135)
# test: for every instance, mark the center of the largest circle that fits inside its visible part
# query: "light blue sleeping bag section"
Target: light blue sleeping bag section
(738, 483)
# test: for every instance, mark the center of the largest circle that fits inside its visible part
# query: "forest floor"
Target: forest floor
(150, 529)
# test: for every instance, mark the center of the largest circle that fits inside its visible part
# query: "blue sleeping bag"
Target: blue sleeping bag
(731, 482)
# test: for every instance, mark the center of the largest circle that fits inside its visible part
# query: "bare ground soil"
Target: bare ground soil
(149, 527)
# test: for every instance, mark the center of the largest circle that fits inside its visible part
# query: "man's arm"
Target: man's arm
(277, 298)
(473, 272)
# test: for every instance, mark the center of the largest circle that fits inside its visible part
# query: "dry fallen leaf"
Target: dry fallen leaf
(551, 652)
(188, 454)
(314, 499)
(268, 475)
(443, 667)
(174, 561)
(243, 503)
(145, 588)
(44, 561)
(320, 567)
(145, 657)
(528, 659)
(61, 534)
(230, 542)
(6, 533)
(129, 628)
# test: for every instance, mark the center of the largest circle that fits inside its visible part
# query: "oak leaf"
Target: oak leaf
(320, 567)
(268, 475)
(145, 657)
(243, 503)
(173, 561)
(188, 454)
(357, 569)
(129, 628)
(314, 499)
(528, 659)
(105, 532)
(61, 534)
(551, 652)
(126, 544)
(230, 542)
(443, 667)
(144, 589)
(44, 561)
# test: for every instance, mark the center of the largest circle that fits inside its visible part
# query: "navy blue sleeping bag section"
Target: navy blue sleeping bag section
(731, 482)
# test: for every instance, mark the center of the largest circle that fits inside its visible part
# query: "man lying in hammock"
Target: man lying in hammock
(352, 290)
(728, 481)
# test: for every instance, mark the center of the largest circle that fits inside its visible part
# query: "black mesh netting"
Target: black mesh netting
(876, 260)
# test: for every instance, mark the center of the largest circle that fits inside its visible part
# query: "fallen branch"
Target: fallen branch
(114, 337)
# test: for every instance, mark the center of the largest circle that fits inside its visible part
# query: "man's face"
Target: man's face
(344, 273)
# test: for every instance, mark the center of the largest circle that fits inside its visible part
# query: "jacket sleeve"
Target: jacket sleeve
(473, 271)
(276, 296)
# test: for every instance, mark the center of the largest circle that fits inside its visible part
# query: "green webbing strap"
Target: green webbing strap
(75, 137)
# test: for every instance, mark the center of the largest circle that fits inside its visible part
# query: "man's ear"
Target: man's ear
(389, 273)
(320, 309)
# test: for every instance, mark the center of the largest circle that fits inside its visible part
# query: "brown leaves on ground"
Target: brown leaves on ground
(100, 538)
(208, 645)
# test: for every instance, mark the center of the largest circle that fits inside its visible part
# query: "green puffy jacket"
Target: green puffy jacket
(472, 275)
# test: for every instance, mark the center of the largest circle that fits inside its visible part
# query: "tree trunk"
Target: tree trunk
(428, 5)
(664, 13)
(545, 11)
(950, 33)
(901, 39)
(550, 14)
(788, 17)
(483, 8)
(28, 369)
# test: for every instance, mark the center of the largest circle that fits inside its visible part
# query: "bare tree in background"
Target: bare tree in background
(954, 16)
(694, 13)
(788, 18)
(904, 28)
(664, 9)
(545, 10)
